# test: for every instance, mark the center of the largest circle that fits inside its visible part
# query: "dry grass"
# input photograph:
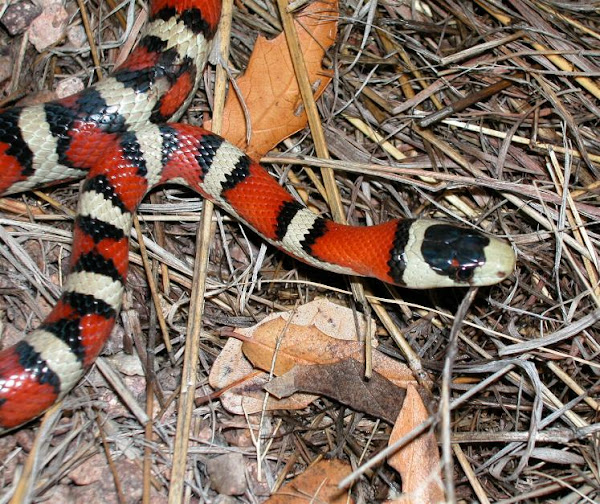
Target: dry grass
(484, 112)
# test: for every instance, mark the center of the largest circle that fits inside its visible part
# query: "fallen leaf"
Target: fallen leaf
(294, 345)
(248, 396)
(269, 88)
(344, 382)
(231, 370)
(333, 319)
(418, 463)
(318, 484)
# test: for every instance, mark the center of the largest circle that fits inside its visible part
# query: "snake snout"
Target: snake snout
(500, 261)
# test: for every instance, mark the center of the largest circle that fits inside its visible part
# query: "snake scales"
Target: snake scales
(116, 135)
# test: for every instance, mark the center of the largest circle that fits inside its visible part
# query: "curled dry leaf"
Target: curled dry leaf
(344, 382)
(269, 88)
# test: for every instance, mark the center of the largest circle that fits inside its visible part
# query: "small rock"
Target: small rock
(76, 36)
(103, 490)
(226, 499)
(8, 450)
(25, 438)
(92, 470)
(60, 494)
(11, 335)
(238, 437)
(111, 404)
(227, 474)
(258, 486)
(7, 445)
(37, 98)
(48, 3)
(49, 27)
(129, 365)
(137, 386)
(69, 86)
(19, 15)
(204, 432)
(115, 343)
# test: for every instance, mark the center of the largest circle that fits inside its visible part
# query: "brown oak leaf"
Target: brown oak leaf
(269, 88)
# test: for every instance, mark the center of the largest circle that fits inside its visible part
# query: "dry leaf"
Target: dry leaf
(333, 319)
(269, 87)
(232, 367)
(300, 345)
(248, 397)
(343, 381)
(418, 462)
(318, 485)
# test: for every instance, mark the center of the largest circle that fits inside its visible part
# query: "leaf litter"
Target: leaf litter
(410, 133)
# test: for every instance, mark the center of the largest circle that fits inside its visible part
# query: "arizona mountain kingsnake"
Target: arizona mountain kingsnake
(115, 134)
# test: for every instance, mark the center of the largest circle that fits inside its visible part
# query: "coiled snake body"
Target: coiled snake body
(115, 134)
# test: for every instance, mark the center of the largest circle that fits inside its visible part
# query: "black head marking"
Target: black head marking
(453, 251)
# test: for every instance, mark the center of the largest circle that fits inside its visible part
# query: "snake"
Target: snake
(122, 136)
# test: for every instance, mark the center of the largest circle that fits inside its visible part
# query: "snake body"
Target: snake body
(116, 135)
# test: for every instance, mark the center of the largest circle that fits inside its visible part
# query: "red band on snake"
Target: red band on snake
(115, 135)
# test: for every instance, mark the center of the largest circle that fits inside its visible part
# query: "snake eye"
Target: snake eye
(464, 274)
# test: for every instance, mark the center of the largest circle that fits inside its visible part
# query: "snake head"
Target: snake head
(435, 254)
(465, 256)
